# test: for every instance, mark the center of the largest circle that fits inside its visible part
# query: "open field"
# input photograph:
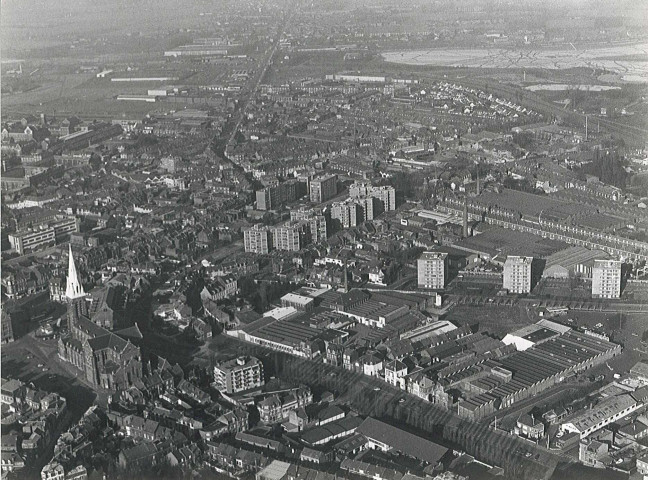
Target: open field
(616, 59)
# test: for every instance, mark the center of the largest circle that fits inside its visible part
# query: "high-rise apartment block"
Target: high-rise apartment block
(315, 219)
(257, 239)
(606, 279)
(353, 211)
(386, 195)
(517, 274)
(323, 188)
(291, 236)
(276, 196)
(432, 270)
(239, 374)
(349, 214)
(7, 328)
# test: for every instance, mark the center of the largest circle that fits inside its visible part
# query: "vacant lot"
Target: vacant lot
(495, 320)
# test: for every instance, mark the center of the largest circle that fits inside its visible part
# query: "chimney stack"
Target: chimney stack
(465, 218)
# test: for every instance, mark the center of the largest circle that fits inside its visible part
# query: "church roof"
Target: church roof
(89, 328)
(73, 288)
(109, 340)
(130, 332)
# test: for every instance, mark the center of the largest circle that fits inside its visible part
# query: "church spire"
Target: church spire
(73, 289)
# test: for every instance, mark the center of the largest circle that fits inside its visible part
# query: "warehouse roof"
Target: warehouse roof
(402, 441)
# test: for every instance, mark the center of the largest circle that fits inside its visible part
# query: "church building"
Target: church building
(105, 359)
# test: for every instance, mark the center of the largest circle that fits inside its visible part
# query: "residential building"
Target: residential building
(7, 327)
(257, 239)
(323, 188)
(594, 453)
(527, 426)
(386, 195)
(291, 236)
(642, 465)
(395, 372)
(353, 211)
(316, 220)
(12, 392)
(432, 270)
(53, 471)
(606, 279)
(276, 196)
(349, 214)
(276, 408)
(239, 374)
(517, 274)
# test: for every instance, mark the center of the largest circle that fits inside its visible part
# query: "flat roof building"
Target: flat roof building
(299, 302)
(386, 195)
(257, 239)
(432, 270)
(276, 196)
(349, 213)
(292, 235)
(606, 279)
(239, 374)
(323, 188)
(517, 274)
(316, 221)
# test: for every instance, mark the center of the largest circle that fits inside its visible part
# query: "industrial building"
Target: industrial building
(291, 334)
(577, 261)
(196, 51)
(552, 357)
(387, 438)
(298, 302)
(605, 412)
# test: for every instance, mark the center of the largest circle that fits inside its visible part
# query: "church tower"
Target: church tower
(74, 294)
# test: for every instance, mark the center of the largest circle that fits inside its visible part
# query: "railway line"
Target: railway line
(631, 134)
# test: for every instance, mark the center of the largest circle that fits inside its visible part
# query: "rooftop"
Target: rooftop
(402, 441)
(601, 412)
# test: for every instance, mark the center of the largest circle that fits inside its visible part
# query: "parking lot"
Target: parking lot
(36, 361)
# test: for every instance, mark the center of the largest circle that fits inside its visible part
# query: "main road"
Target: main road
(259, 78)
